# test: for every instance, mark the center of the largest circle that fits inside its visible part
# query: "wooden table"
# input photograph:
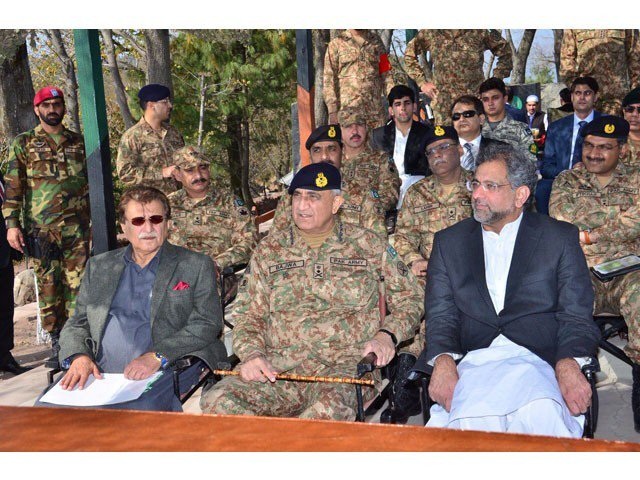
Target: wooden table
(64, 429)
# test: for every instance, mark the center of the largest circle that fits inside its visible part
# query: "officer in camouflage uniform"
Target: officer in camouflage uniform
(499, 126)
(612, 57)
(365, 170)
(146, 149)
(310, 306)
(601, 196)
(362, 205)
(356, 75)
(631, 112)
(458, 58)
(47, 190)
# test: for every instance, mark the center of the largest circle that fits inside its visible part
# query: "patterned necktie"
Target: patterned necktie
(469, 161)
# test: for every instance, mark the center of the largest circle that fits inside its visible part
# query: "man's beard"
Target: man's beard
(488, 216)
(53, 119)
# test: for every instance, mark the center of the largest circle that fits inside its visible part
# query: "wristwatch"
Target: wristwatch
(393, 337)
(162, 359)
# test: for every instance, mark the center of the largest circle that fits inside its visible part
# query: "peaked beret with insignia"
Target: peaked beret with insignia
(607, 126)
(632, 97)
(153, 92)
(440, 132)
(189, 156)
(317, 176)
(331, 133)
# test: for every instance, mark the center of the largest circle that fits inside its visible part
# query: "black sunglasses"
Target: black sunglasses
(631, 109)
(139, 221)
(466, 114)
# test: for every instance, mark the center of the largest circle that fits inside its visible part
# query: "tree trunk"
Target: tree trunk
(520, 55)
(386, 36)
(16, 94)
(203, 99)
(233, 152)
(70, 82)
(489, 67)
(557, 45)
(244, 159)
(118, 85)
(320, 39)
(158, 57)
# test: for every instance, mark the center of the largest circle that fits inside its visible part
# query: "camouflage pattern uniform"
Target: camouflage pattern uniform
(614, 213)
(310, 312)
(143, 153)
(47, 182)
(352, 77)
(218, 225)
(425, 211)
(458, 59)
(514, 133)
(612, 57)
(633, 157)
(361, 207)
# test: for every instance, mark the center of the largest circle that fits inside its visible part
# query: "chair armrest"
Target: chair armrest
(367, 364)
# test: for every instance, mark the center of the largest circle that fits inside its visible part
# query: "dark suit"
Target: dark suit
(516, 114)
(548, 302)
(557, 155)
(415, 159)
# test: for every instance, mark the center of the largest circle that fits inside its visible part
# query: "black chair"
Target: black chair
(610, 326)
(367, 365)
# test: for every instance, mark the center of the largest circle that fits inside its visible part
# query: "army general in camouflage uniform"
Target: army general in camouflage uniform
(146, 149)
(47, 188)
(362, 205)
(612, 57)
(458, 58)
(601, 196)
(356, 75)
(310, 306)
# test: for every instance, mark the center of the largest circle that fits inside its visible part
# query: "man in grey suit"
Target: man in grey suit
(142, 307)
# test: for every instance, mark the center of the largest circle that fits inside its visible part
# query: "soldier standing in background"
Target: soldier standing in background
(356, 75)
(458, 58)
(47, 184)
(146, 149)
(600, 196)
(631, 112)
(612, 57)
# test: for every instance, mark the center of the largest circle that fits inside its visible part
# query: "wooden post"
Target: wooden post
(305, 94)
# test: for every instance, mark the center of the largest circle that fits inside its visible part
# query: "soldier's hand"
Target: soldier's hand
(142, 367)
(443, 381)
(257, 369)
(430, 90)
(574, 387)
(382, 345)
(169, 172)
(78, 373)
(15, 238)
(419, 268)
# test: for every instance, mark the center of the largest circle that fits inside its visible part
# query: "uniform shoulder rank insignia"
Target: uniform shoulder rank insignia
(609, 128)
(374, 193)
(439, 131)
(239, 202)
(321, 180)
(332, 132)
(533, 148)
(392, 251)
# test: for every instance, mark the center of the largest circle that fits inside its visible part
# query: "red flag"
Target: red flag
(383, 64)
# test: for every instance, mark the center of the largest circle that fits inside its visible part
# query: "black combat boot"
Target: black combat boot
(53, 363)
(404, 396)
(635, 397)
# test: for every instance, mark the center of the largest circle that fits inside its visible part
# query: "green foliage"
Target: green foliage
(541, 73)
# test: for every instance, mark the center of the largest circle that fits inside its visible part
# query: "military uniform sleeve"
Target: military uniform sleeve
(404, 297)
(243, 238)
(501, 49)
(526, 140)
(282, 216)
(416, 47)
(632, 43)
(252, 311)
(330, 87)
(388, 182)
(129, 165)
(387, 76)
(406, 239)
(15, 179)
(568, 57)
(561, 201)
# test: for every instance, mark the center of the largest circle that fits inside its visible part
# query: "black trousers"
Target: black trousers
(6, 312)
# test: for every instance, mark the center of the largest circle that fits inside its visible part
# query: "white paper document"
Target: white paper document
(112, 388)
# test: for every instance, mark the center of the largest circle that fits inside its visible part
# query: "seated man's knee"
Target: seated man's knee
(222, 398)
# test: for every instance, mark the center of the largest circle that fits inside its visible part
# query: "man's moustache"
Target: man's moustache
(198, 180)
(144, 236)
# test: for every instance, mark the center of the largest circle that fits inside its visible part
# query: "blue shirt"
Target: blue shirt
(128, 331)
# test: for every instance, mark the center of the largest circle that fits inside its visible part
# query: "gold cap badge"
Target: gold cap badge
(439, 131)
(332, 132)
(321, 180)
(609, 128)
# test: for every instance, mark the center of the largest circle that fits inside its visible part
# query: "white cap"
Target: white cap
(533, 98)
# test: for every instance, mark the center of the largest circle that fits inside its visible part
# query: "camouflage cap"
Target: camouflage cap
(325, 133)
(317, 176)
(349, 116)
(441, 132)
(607, 126)
(189, 156)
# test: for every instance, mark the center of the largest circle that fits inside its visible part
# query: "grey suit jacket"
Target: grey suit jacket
(183, 322)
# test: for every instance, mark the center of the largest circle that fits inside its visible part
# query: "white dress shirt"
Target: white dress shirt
(398, 158)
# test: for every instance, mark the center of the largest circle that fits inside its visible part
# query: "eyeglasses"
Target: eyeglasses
(440, 148)
(631, 109)
(165, 100)
(602, 148)
(472, 186)
(154, 219)
(466, 114)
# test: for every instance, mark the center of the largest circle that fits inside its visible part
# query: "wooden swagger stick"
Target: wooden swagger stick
(303, 378)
